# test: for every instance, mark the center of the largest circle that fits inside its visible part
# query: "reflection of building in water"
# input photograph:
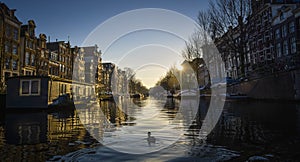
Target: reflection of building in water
(113, 113)
(26, 128)
(170, 104)
(251, 122)
(63, 125)
(2, 135)
(189, 108)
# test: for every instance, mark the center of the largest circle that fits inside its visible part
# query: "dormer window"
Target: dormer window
(281, 16)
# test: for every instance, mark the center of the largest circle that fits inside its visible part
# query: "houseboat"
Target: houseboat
(38, 92)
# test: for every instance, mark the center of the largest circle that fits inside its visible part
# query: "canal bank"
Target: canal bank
(281, 85)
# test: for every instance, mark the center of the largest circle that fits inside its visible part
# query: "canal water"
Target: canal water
(246, 130)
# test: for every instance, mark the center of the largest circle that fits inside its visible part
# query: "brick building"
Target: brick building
(64, 58)
(271, 40)
(9, 44)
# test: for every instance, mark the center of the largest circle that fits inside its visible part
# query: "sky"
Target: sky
(76, 20)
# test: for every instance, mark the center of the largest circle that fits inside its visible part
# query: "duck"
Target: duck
(150, 139)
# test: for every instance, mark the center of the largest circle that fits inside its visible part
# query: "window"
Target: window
(284, 31)
(45, 65)
(43, 45)
(15, 65)
(7, 63)
(25, 87)
(27, 58)
(278, 49)
(16, 34)
(293, 45)
(285, 48)
(30, 87)
(7, 47)
(277, 34)
(30, 44)
(31, 32)
(15, 49)
(7, 31)
(281, 16)
(292, 27)
(42, 53)
(6, 75)
(32, 60)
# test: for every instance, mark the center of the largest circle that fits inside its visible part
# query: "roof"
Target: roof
(90, 50)
(9, 13)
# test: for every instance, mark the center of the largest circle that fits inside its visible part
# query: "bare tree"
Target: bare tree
(193, 47)
(187, 52)
(228, 19)
(223, 23)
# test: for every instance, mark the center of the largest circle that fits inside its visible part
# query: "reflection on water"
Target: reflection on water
(29, 128)
(245, 129)
(260, 128)
(37, 136)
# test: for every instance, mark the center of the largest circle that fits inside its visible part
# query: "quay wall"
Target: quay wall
(283, 86)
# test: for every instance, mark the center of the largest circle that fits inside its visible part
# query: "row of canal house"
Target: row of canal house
(260, 55)
(33, 59)
(271, 40)
(265, 60)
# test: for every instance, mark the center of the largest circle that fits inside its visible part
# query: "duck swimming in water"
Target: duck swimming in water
(150, 139)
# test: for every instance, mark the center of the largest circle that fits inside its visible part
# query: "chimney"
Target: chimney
(12, 12)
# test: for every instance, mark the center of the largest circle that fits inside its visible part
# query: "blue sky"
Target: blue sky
(60, 19)
(147, 52)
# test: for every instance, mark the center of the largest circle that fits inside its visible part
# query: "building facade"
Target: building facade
(22, 53)
(92, 64)
(108, 70)
(271, 41)
(9, 44)
(64, 58)
(78, 55)
(42, 64)
(286, 38)
(53, 64)
(34, 54)
(28, 49)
